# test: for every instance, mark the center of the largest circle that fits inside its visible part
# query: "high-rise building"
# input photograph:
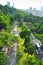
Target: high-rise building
(41, 8)
(13, 4)
(8, 3)
(34, 11)
(30, 9)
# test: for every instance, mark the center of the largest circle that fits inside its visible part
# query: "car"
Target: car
(14, 30)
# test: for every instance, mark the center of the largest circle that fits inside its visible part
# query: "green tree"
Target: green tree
(34, 61)
(29, 48)
(25, 33)
(3, 59)
(4, 21)
(6, 37)
(19, 16)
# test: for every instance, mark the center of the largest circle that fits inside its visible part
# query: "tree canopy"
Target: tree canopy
(3, 59)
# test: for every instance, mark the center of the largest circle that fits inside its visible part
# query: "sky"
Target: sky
(24, 4)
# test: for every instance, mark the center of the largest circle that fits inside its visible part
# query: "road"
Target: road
(12, 55)
(15, 31)
(13, 50)
(37, 43)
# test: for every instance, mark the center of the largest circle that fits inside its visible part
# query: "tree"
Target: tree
(24, 33)
(34, 61)
(19, 16)
(3, 59)
(6, 37)
(4, 21)
(29, 48)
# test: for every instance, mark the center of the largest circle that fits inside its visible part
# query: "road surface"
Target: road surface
(13, 50)
(37, 43)
(12, 55)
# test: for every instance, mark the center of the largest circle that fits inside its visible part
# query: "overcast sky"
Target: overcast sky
(24, 4)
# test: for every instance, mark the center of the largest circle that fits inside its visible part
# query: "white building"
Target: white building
(8, 3)
(35, 12)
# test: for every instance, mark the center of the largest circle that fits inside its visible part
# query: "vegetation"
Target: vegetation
(3, 58)
(34, 61)
(34, 23)
(28, 46)
(6, 38)
(4, 21)
(27, 24)
(39, 36)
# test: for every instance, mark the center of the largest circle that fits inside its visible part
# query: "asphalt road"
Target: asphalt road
(12, 55)
(39, 52)
(13, 50)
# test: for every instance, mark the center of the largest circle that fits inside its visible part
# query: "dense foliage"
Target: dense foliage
(28, 24)
(6, 38)
(4, 21)
(35, 23)
(3, 58)
(34, 61)
(25, 34)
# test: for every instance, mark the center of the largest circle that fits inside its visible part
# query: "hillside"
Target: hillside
(26, 24)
